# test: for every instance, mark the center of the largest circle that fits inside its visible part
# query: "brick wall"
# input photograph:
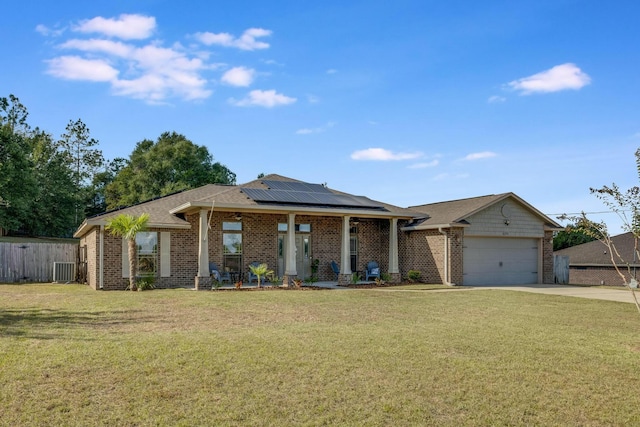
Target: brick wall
(596, 276)
(456, 240)
(547, 258)
(422, 250)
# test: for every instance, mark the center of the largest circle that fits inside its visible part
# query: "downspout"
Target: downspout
(101, 269)
(446, 256)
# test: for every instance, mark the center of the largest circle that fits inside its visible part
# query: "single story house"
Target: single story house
(591, 263)
(299, 228)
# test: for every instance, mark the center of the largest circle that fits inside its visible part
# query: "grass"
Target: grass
(73, 356)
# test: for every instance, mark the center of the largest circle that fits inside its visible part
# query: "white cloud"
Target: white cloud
(480, 155)
(307, 131)
(332, 71)
(263, 98)
(116, 53)
(77, 68)
(46, 31)
(128, 27)
(247, 41)
(561, 77)
(424, 165)
(381, 154)
(99, 45)
(239, 76)
(496, 99)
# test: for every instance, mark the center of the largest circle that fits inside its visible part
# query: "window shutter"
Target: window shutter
(165, 254)
(125, 258)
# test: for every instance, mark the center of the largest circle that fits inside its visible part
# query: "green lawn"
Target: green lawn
(73, 356)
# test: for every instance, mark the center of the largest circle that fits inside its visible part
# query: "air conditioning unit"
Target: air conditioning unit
(64, 272)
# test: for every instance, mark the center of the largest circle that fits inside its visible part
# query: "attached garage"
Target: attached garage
(499, 261)
(489, 240)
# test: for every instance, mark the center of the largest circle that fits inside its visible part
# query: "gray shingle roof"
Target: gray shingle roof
(596, 253)
(162, 210)
(457, 211)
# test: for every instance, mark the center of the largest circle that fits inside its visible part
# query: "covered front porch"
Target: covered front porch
(345, 240)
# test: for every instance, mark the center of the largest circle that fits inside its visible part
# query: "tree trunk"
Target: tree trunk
(133, 258)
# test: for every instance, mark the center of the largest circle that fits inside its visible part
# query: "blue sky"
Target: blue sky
(408, 102)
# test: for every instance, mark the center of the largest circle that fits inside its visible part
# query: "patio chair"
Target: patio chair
(336, 268)
(214, 271)
(373, 270)
(253, 277)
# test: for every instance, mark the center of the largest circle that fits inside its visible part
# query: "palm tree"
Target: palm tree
(128, 226)
(260, 270)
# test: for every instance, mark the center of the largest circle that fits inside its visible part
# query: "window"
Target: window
(232, 246)
(147, 243)
(353, 247)
(300, 228)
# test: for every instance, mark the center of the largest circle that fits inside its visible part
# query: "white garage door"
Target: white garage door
(499, 261)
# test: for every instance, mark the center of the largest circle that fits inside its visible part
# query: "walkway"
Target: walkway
(619, 295)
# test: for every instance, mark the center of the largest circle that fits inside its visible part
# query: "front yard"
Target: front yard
(73, 356)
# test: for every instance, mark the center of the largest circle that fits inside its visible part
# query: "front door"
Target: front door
(303, 254)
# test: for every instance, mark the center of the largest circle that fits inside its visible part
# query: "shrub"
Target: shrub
(145, 283)
(414, 275)
(355, 278)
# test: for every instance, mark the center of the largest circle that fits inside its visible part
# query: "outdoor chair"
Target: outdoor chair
(373, 270)
(217, 276)
(336, 269)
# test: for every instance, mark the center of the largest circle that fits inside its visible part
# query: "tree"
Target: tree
(173, 163)
(260, 271)
(565, 239)
(17, 182)
(627, 205)
(83, 159)
(128, 226)
(52, 208)
(96, 201)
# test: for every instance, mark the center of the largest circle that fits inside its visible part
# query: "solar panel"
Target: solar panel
(316, 198)
(296, 186)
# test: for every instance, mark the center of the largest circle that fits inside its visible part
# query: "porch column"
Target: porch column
(345, 253)
(203, 279)
(394, 271)
(290, 271)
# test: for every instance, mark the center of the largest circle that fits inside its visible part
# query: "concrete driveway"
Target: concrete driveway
(619, 295)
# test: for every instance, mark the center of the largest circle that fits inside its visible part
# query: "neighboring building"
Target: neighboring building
(591, 263)
(288, 224)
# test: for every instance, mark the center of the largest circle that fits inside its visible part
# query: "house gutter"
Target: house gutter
(101, 270)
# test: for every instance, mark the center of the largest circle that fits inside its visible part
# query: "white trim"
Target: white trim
(203, 245)
(101, 259)
(240, 207)
(345, 249)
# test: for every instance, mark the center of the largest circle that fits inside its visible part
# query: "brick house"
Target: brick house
(289, 224)
(590, 263)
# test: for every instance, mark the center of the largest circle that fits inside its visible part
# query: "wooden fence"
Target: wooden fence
(33, 262)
